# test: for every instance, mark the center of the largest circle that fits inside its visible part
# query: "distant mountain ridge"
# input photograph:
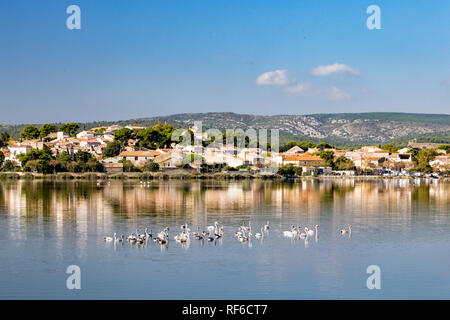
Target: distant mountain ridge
(344, 128)
(338, 128)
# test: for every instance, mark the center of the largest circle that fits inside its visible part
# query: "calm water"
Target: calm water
(401, 226)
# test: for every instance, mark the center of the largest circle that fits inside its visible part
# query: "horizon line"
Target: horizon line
(231, 112)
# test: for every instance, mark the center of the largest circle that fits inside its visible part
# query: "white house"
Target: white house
(442, 163)
(85, 134)
(60, 135)
(16, 149)
(139, 157)
(169, 159)
(295, 150)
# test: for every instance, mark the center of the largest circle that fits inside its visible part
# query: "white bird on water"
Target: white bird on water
(243, 238)
(347, 231)
(309, 232)
(220, 234)
(109, 239)
(245, 228)
(302, 235)
(213, 228)
(182, 237)
(290, 234)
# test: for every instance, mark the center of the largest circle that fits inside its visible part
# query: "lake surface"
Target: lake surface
(402, 226)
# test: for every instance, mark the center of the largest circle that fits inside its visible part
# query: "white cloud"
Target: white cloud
(337, 94)
(333, 68)
(274, 78)
(302, 89)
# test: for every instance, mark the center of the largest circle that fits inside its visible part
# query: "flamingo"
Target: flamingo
(109, 239)
(291, 233)
(259, 234)
(309, 232)
(347, 231)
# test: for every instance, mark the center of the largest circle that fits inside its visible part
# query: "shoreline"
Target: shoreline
(193, 176)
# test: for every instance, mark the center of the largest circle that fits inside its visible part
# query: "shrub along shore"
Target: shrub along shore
(184, 176)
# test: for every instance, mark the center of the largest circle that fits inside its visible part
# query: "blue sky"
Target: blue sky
(143, 58)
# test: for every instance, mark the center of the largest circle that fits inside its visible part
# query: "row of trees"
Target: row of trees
(149, 166)
(43, 161)
(157, 136)
(340, 163)
(422, 159)
(32, 132)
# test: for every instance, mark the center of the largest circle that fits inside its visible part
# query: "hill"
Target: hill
(339, 128)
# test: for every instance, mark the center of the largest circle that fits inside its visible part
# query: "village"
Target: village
(117, 149)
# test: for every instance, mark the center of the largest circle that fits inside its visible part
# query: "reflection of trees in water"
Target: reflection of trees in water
(421, 193)
(191, 198)
(42, 196)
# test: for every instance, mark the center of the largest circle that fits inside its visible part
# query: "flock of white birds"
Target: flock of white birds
(216, 231)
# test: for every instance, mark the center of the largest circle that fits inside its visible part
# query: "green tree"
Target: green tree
(228, 168)
(82, 156)
(70, 128)
(4, 138)
(9, 166)
(85, 162)
(64, 157)
(100, 130)
(46, 129)
(187, 139)
(93, 165)
(2, 159)
(57, 166)
(61, 163)
(34, 154)
(151, 166)
(158, 136)
(193, 158)
(390, 147)
(445, 147)
(29, 132)
(128, 166)
(342, 163)
(41, 165)
(423, 158)
(112, 149)
(73, 166)
(414, 152)
(205, 168)
(305, 145)
(324, 145)
(123, 135)
(288, 170)
(243, 167)
(36, 160)
(328, 156)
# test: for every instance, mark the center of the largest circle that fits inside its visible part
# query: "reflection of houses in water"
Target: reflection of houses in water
(69, 209)
(85, 208)
(439, 194)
